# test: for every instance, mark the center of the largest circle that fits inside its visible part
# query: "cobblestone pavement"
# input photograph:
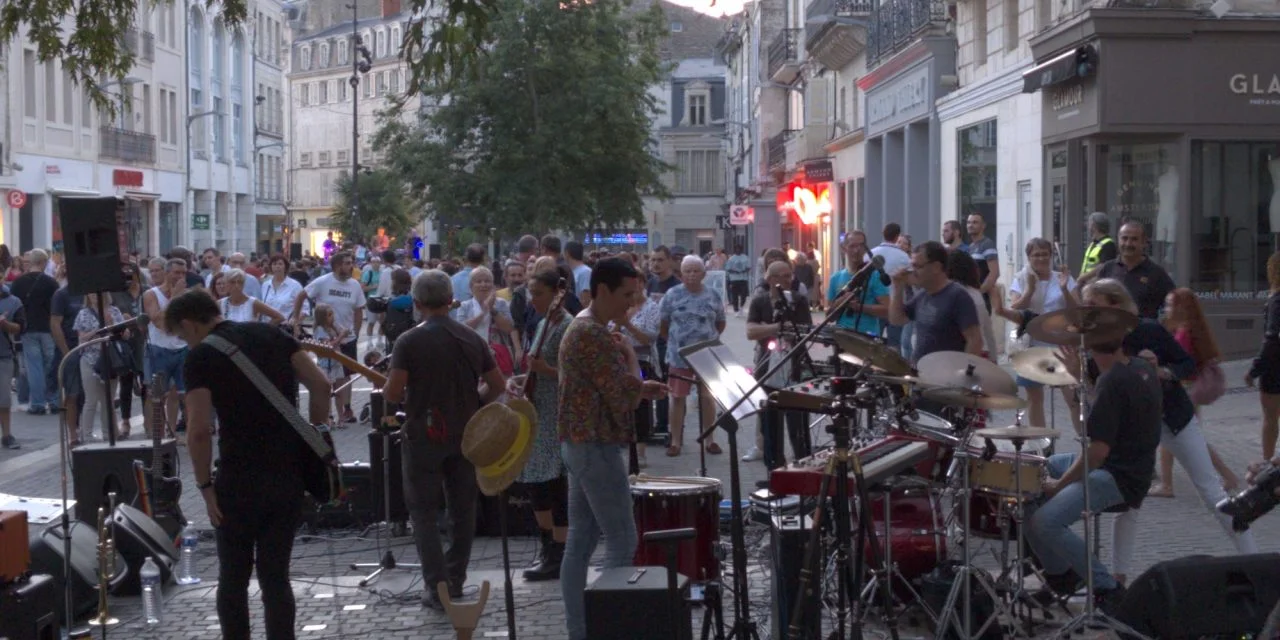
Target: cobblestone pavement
(331, 605)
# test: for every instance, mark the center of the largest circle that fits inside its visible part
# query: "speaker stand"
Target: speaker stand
(388, 560)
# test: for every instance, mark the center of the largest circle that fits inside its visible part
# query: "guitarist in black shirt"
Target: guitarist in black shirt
(256, 501)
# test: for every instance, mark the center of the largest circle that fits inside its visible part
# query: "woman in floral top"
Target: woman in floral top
(95, 395)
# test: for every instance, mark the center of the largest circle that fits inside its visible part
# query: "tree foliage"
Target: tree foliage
(88, 36)
(383, 204)
(552, 131)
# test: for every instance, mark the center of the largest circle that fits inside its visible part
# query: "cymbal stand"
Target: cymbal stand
(889, 574)
(1091, 618)
(843, 463)
(961, 593)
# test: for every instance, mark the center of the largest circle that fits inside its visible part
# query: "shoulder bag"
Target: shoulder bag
(1209, 385)
(321, 473)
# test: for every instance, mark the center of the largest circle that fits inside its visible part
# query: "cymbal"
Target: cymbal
(973, 399)
(1098, 324)
(1017, 432)
(861, 351)
(1041, 364)
(957, 369)
(898, 380)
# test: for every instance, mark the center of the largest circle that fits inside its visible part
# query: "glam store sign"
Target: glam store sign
(1262, 89)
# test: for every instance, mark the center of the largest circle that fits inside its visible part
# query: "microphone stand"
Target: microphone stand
(743, 627)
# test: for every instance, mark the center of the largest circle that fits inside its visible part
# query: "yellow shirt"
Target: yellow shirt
(505, 294)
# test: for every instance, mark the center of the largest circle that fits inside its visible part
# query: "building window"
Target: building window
(1142, 183)
(395, 82)
(196, 56)
(323, 158)
(696, 111)
(68, 98)
(324, 92)
(381, 48)
(147, 113)
(396, 40)
(699, 172)
(219, 130)
(324, 55)
(50, 92)
(978, 185)
(237, 132)
(342, 157)
(380, 89)
(344, 51)
(305, 96)
(305, 58)
(237, 61)
(29, 83)
(677, 27)
(304, 159)
(217, 67)
(342, 91)
(368, 86)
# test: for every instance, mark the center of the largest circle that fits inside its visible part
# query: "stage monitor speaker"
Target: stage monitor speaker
(15, 557)
(47, 555)
(138, 537)
(520, 520)
(99, 468)
(789, 536)
(95, 243)
(399, 512)
(28, 609)
(358, 509)
(1200, 596)
(632, 603)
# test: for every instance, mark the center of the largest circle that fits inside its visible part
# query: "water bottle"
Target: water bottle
(151, 596)
(187, 561)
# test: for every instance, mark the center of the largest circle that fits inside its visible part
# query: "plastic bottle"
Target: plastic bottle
(151, 594)
(187, 561)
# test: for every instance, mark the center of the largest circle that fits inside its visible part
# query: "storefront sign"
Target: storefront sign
(1262, 90)
(906, 98)
(1066, 97)
(200, 222)
(820, 171)
(126, 178)
(16, 198)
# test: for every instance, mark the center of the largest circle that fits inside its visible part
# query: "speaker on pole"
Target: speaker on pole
(94, 241)
(1200, 596)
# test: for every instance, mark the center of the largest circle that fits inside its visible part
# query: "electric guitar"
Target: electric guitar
(159, 496)
(325, 351)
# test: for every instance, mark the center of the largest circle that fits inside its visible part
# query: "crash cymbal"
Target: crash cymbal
(1018, 433)
(1098, 324)
(913, 381)
(1041, 364)
(860, 350)
(973, 399)
(958, 369)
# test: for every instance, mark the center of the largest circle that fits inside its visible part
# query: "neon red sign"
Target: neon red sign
(808, 203)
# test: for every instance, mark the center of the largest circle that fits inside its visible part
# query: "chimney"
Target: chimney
(390, 8)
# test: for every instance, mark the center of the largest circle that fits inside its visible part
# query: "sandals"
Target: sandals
(673, 450)
(1160, 491)
(714, 449)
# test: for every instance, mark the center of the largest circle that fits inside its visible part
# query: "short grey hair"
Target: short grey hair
(433, 289)
(176, 262)
(692, 259)
(1101, 221)
(157, 263)
(38, 257)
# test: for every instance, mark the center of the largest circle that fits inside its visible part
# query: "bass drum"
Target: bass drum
(915, 532)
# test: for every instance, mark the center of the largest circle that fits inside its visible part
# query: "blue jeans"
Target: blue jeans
(167, 363)
(38, 354)
(599, 503)
(1049, 529)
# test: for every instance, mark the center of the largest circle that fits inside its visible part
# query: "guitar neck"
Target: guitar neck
(325, 351)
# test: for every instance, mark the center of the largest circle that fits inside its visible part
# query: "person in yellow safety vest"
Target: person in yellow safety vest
(1101, 247)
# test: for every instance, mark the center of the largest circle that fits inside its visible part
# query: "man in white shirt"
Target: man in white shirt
(581, 272)
(345, 294)
(384, 280)
(895, 260)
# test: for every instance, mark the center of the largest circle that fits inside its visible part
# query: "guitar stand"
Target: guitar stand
(388, 560)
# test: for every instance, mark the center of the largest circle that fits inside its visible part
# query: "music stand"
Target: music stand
(738, 394)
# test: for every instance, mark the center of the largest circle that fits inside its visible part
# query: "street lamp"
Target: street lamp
(361, 63)
(191, 192)
(288, 221)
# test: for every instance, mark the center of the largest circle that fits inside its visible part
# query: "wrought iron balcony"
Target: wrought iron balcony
(128, 146)
(896, 24)
(778, 150)
(131, 41)
(836, 30)
(148, 41)
(784, 56)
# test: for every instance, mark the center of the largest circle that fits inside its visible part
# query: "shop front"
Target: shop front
(807, 209)
(1172, 120)
(903, 143)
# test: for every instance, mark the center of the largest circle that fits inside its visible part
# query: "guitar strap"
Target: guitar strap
(308, 432)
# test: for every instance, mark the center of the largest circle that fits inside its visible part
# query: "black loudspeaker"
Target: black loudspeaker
(632, 603)
(520, 521)
(138, 537)
(399, 512)
(295, 251)
(100, 468)
(789, 535)
(28, 609)
(357, 510)
(1203, 596)
(94, 242)
(47, 555)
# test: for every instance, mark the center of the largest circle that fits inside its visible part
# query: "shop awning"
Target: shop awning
(1080, 62)
(138, 194)
(73, 192)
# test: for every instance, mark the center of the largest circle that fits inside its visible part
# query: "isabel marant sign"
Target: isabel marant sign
(904, 99)
(1261, 89)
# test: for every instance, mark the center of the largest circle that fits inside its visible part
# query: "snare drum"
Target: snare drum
(1000, 476)
(679, 503)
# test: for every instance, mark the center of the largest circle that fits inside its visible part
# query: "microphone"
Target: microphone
(120, 327)
(876, 263)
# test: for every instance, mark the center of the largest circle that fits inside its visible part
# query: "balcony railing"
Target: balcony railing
(778, 149)
(125, 145)
(898, 23)
(825, 9)
(131, 41)
(784, 50)
(148, 40)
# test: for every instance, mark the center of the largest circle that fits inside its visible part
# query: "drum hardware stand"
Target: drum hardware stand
(962, 589)
(1091, 618)
(744, 628)
(388, 561)
(1018, 518)
(888, 573)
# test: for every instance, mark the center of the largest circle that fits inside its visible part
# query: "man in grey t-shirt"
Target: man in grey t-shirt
(945, 316)
(983, 250)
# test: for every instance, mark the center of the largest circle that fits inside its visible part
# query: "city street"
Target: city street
(331, 605)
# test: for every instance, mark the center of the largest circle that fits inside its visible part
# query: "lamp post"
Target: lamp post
(259, 147)
(361, 63)
(191, 193)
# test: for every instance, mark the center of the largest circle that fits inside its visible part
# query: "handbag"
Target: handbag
(1210, 384)
(321, 473)
(118, 360)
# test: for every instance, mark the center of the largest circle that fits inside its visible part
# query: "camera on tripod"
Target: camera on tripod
(1255, 502)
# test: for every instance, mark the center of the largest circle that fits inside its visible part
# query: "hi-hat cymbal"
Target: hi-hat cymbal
(1017, 432)
(958, 369)
(860, 350)
(1041, 364)
(973, 399)
(1098, 324)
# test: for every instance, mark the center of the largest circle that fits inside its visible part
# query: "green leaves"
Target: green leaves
(547, 126)
(383, 204)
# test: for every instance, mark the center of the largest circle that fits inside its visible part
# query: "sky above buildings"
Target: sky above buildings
(713, 7)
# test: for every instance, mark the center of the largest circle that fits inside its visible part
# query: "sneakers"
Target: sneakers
(10, 442)
(1109, 601)
(752, 455)
(1063, 583)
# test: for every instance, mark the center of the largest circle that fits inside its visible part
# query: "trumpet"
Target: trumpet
(106, 565)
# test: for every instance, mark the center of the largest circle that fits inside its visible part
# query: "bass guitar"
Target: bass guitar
(158, 495)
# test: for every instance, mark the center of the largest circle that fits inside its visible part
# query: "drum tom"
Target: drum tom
(931, 427)
(999, 475)
(676, 503)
